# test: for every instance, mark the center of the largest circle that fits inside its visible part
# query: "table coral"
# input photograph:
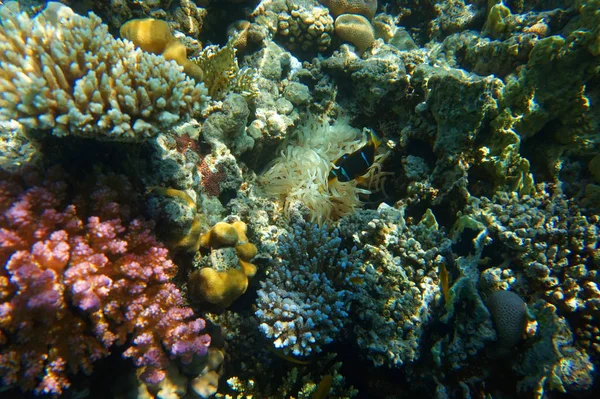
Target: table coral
(72, 288)
(113, 93)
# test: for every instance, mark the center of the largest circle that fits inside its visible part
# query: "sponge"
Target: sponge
(509, 313)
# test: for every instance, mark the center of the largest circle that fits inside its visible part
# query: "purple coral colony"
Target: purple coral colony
(193, 203)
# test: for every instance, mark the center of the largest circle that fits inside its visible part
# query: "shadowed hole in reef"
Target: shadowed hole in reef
(534, 149)
(480, 182)
(218, 18)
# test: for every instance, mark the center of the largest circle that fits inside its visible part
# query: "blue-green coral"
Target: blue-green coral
(303, 303)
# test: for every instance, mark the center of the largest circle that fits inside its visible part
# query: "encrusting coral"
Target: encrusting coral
(64, 72)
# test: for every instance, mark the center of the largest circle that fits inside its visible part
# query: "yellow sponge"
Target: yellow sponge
(246, 251)
(154, 36)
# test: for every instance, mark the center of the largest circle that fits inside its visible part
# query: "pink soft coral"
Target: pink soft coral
(71, 289)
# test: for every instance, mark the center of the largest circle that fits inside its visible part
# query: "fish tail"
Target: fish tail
(374, 138)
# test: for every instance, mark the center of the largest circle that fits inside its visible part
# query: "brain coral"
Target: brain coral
(355, 29)
(362, 7)
(510, 315)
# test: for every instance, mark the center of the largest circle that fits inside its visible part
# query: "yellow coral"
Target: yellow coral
(218, 288)
(355, 29)
(366, 8)
(154, 36)
(220, 235)
(149, 34)
(246, 251)
(223, 287)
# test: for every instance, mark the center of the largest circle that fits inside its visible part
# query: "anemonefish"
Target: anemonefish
(350, 166)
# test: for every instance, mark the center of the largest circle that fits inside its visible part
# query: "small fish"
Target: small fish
(444, 281)
(353, 165)
(357, 280)
(288, 358)
(322, 390)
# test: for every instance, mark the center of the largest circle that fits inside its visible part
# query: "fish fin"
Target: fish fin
(374, 138)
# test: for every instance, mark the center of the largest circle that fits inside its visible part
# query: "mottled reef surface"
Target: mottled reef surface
(300, 199)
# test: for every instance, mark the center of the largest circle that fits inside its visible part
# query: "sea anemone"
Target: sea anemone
(301, 172)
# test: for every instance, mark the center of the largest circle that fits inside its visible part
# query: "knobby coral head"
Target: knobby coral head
(71, 287)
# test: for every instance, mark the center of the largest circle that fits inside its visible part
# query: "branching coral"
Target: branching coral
(64, 72)
(71, 288)
(304, 301)
(399, 281)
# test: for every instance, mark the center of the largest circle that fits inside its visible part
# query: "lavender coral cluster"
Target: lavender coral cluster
(303, 303)
(72, 287)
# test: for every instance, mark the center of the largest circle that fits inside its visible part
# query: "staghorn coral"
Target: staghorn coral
(66, 73)
(71, 287)
(304, 301)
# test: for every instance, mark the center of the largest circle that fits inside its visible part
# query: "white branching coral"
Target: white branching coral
(304, 301)
(64, 72)
(301, 172)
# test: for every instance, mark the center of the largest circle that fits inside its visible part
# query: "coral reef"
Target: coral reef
(114, 93)
(462, 263)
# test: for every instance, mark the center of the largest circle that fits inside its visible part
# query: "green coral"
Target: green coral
(222, 74)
